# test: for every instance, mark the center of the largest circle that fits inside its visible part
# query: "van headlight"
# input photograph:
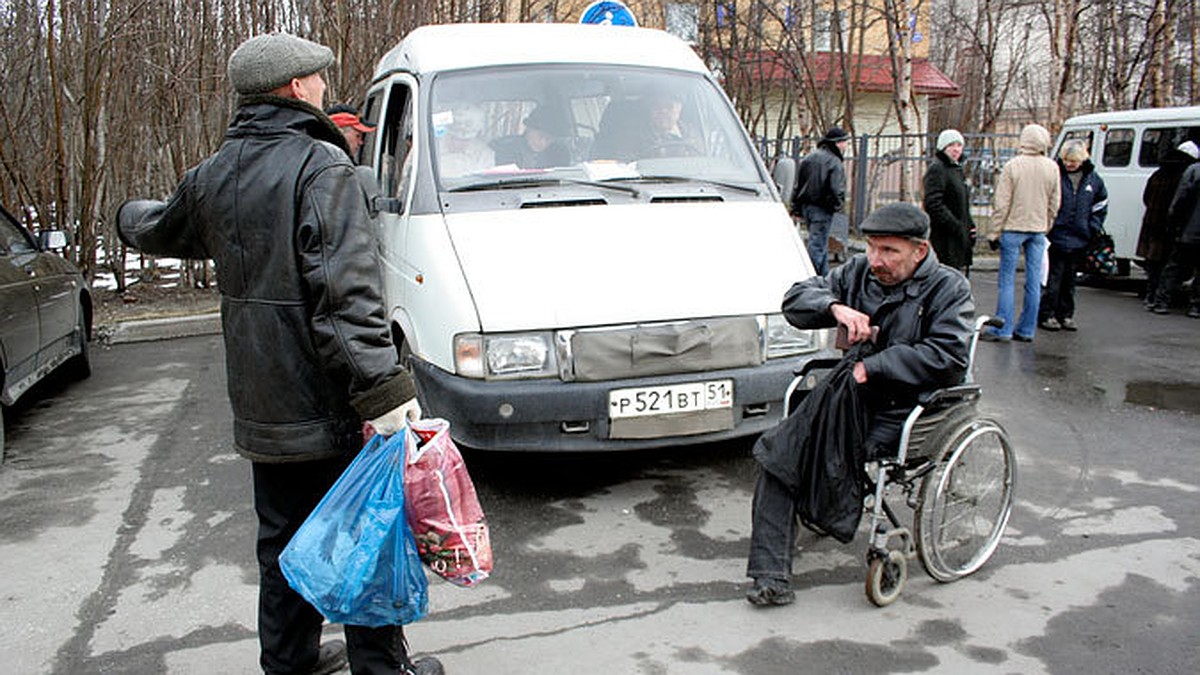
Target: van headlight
(784, 339)
(509, 356)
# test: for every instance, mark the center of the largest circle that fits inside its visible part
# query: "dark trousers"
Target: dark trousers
(289, 629)
(773, 519)
(1184, 261)
(1058, 298)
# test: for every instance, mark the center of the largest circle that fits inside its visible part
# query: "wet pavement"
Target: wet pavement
(126, 534)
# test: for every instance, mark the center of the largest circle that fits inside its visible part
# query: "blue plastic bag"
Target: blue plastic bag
(355, 558)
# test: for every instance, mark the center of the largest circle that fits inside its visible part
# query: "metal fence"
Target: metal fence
(876, 164)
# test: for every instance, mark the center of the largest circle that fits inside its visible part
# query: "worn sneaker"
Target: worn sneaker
(331, 658)
(768, 592)
(1069, 324)
(425, 666)
(988, 336)
(1160, 308)
(1194, 312)
(1051, 324)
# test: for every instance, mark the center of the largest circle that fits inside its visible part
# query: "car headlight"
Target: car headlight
(504, 356)
(784, 339)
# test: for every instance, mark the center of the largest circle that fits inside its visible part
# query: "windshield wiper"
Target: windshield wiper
(689, 179)
(504, 184)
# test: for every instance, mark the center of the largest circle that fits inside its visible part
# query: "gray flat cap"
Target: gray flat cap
(266, 62)
(897, 220)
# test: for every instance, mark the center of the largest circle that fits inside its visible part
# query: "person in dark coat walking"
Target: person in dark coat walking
(1080, 217)
(920, 313)
(308, 349)
(821, 192)
(1157, 236)
(948, 203)
(1184, 212)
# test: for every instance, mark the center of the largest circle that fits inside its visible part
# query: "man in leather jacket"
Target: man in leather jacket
(308, 350)
(821, 192)
(919, 315)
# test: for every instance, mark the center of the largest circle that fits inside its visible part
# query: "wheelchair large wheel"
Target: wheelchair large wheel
(966, 500)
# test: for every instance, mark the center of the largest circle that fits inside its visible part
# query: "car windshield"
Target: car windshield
(584, 123)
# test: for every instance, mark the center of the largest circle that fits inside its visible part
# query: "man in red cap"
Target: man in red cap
(346, 119)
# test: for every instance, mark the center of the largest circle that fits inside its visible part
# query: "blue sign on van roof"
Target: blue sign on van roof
(609, 13)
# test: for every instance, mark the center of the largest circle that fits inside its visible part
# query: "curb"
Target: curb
(145, 330)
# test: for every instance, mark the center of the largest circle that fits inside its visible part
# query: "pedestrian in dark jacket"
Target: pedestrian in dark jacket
(1157, 236)
(1184, 212)
(821, 192)
(920, 313)
(308, 349)
(1080, 217)
(948, 203)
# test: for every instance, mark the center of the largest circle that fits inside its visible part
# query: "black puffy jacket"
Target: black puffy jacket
(1083, 209)
(279, 208)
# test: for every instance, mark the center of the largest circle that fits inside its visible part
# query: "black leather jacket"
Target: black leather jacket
(925, 325)
(279, 208)
(821, 180)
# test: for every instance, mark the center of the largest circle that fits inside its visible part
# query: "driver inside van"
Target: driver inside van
(461, 151)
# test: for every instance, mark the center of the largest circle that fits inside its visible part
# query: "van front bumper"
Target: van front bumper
(555, 416)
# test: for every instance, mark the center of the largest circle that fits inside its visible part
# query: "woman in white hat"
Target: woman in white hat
(948, 203)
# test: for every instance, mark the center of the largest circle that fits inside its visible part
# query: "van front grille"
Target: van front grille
(665, 348)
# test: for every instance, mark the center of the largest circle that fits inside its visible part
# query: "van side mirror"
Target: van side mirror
(375, 200)
(784, 176)
(52, 239)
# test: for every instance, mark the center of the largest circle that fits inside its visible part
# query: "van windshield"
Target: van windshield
(577, 122)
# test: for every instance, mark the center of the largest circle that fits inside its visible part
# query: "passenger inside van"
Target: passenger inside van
(461, 151)
(539, 146)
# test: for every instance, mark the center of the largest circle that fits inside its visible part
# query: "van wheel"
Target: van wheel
(80, 365)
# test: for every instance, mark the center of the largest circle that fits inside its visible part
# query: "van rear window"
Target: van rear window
(1118, 147)
(1158, 142)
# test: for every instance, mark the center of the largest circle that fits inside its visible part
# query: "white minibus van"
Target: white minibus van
(582, 249)
(1126, 147)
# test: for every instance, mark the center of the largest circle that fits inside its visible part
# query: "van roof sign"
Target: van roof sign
(608, 13)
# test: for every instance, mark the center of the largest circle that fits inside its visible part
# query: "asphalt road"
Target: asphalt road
(126, 534)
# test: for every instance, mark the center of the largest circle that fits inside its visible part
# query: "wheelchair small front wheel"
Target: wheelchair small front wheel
(965, 502)
(886, 577)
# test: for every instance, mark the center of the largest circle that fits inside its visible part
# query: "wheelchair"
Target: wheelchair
(956, 470)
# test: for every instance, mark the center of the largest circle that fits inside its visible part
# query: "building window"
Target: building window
(725, 15)
(826, 24)
(683, 21)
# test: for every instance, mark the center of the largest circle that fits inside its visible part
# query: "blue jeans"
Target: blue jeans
(1011, 246)
(819, 221)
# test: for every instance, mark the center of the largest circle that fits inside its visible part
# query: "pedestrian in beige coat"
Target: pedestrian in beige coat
(1028, 195)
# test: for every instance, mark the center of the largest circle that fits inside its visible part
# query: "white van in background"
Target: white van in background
(1127, 147)
(619, 289)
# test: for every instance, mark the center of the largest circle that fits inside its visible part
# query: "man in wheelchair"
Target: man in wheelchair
(918, 315)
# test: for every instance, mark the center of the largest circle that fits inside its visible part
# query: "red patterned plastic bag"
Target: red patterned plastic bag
(443, 509)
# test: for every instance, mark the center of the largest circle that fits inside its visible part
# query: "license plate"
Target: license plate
(670, 399)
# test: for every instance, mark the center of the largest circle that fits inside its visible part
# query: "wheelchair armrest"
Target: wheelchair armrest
(962, 392)
(815, 364)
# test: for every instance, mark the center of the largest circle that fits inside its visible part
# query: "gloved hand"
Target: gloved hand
(393, 420)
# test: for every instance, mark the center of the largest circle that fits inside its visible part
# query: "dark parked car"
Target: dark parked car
(45, 312)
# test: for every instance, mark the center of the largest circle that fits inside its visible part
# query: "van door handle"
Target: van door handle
(385, 205)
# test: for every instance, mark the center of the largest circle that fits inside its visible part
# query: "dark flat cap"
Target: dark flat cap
(897, 220)
(266, 62)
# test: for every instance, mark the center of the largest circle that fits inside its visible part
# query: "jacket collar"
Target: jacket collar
(267, 112)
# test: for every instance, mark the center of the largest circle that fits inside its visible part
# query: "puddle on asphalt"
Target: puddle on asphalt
(1183, 396)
